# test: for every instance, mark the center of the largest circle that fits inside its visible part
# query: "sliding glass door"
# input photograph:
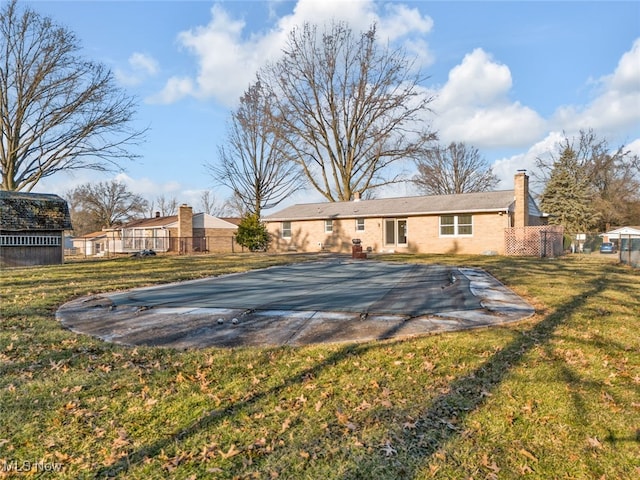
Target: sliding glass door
(395, 232)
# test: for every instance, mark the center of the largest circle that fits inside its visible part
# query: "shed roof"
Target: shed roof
(24, 211)
(495, 201)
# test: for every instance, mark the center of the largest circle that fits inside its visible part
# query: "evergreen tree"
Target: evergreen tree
(252, 233)
(568, 195)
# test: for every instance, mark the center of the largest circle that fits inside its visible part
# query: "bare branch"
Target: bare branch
(349, 107)
(457, 168)
(58, 112)
(255, 163)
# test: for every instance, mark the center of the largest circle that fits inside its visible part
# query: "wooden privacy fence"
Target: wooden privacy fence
(535, 241)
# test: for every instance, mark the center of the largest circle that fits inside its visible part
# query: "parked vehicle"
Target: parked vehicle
(608, 247)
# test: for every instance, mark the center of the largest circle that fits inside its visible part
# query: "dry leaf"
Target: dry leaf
(342, 418)
(285, 425)
(594, 442)
(527, 454)
(388, 450)
(233, 451)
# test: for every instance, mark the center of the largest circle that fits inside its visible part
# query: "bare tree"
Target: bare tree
(209, 204)
(105, 205)
(58, 111)
(255, 162)
(351, 108)
(613, 176)
(165, 206)
(457, 168)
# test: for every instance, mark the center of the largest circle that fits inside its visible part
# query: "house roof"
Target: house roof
(24, 211)
(92, 235)
(633, 231)
(200, 220)
(401, 206)
(151, 222)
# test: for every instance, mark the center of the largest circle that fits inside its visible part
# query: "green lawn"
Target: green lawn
(556, 396)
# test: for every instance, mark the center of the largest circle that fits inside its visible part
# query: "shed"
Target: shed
(32, 228)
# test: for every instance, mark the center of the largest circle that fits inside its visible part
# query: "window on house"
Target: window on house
(454, 225)
(328, 226)
(286, 229)
(360, 225)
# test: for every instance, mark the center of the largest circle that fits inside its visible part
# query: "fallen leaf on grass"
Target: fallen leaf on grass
(388, 450)
(232, 452)
(528, 454)
(594, 443)
(285, 425)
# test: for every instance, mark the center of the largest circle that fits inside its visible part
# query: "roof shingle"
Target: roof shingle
(24, 211)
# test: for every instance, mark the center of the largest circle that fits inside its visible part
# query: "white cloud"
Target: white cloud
(228, 58)
(506, 168)
(141, 67)
(634, 147)
(474, 106)
(175, 89)
(616, 105)
(147, 187)
(400, 20)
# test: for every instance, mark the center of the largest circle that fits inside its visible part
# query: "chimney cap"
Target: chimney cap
(522, 170)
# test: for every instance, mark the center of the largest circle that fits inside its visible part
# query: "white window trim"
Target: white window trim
(455, 226)
(284, 230)
(358, 220)
(328, 226)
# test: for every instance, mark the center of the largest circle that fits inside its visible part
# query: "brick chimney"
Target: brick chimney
(521, 187)
(185, 227)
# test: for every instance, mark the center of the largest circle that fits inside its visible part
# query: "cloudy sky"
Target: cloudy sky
(508, 77)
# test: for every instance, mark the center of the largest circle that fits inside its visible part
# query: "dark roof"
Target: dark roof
(22, 211)
(402, 206)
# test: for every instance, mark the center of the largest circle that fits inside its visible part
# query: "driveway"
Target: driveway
(333, 300)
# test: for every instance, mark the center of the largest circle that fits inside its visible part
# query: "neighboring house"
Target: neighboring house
(622, 232)
(502, 222)
(96, 243)
(627, 240)
(183, 233)
(32, 228)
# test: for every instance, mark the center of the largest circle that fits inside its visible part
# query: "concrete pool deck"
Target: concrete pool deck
(332, 300)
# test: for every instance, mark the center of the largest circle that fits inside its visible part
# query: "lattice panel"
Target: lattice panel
(535, 241)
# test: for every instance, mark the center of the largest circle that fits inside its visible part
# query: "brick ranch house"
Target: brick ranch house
(185, 232)
(499, 222)
(32, 228)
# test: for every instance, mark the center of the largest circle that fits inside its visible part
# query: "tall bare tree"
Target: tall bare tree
(456, 168)
(58, 111)
(351, 107)
(105, 204)
(255, 161)
(211, 205)
(164, 206)
(612, 175)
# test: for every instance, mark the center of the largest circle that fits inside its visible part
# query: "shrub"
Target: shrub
(252, 233)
